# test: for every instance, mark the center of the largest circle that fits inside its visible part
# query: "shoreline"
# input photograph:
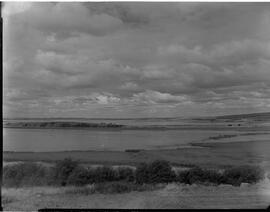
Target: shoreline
(154, 128)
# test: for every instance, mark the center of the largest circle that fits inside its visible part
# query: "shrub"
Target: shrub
(63, 169)
(161, 172)
(142, 173)
(126, 174)
(242, 174)
(104, 174)
(158, 171)
(82, 176)
(199, 175)
(182, 177)
(24, 174)
(79, 177)
(69, 172)
(212, 176)
(234, 176)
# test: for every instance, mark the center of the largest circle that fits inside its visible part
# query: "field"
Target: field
(212, 155)
(170, 196)
(216, 155)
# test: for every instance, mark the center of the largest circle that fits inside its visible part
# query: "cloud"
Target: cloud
(154, 97)
(130, 59)
(66, 19)
(129, 86)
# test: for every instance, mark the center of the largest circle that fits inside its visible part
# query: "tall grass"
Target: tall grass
(111, 188)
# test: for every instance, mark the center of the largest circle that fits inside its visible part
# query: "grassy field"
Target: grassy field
(168, 196)
(210, 155)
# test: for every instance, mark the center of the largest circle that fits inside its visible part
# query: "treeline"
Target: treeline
(61, 125)
(70, 172)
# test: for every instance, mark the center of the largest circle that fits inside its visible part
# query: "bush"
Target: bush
(142, 173)
(234, 176)
(158, 171)
(161, 172)
(199, 175)
(63, 169)
(25, 174)
(242, 174)
(69, 172)
(104, 174)
(126, 174)
(183, 177)
(79, 177)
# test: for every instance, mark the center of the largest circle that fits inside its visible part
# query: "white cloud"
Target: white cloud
(153, 97)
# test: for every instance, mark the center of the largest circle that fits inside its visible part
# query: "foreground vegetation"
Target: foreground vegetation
(110, 180)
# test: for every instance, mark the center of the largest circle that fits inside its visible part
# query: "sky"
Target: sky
(135, 59)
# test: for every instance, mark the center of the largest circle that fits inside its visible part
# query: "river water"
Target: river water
(82, 139)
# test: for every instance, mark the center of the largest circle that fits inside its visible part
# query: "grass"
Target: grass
(214, 155)
(7, 199)
(112, 188)
(172, 196)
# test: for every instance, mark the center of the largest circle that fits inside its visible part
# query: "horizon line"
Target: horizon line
(168, 117)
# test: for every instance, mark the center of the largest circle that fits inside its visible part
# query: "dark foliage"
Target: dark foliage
(79, 176)
(63, 169)
(68, 172)
(25, 174)
(234, 176)
(126, 174)
(104, 174)
(142, 174)
(199, 175)
(158, 171)
(242, 174)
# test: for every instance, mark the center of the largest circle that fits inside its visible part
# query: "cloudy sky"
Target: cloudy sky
(135, 59)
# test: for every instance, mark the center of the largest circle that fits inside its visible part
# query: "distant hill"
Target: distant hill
(254, 116)
(53, 125)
